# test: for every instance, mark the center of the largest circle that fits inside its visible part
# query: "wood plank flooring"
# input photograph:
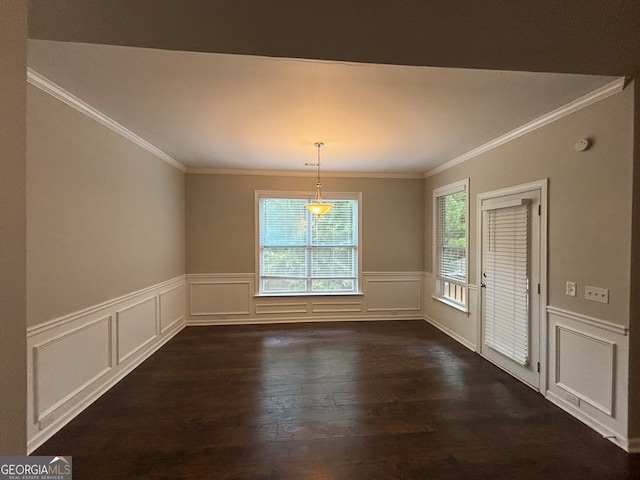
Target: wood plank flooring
(351, 400)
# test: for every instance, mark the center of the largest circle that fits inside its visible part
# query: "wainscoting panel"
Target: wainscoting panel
(393, 294)
(172, 307)
(216, 299)
(588, 371)
(336, 307)
(220, 297)
(584, 367)
(136, 326)
(74, 359)
(277, 308)
(66, 364)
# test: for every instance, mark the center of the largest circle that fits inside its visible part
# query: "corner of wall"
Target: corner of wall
(13, 55)
(634, 307)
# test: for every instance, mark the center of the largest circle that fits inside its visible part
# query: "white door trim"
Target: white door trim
(542, 187)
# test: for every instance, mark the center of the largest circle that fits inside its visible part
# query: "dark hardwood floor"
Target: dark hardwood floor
(356, 400)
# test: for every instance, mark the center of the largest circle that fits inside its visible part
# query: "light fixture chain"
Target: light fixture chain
(318, 207)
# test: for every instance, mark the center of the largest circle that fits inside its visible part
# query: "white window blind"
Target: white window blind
(452, 236)
(450, 218)
(506, 276)
(304, 253)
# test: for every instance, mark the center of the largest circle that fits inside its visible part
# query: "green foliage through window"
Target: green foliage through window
(451, 243)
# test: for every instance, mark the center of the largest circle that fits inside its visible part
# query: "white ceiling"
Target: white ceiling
(223, 111)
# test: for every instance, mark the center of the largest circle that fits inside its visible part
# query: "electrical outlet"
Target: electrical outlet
(571, 289)
(596, 294)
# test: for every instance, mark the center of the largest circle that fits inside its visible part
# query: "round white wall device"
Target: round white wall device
(582, 144)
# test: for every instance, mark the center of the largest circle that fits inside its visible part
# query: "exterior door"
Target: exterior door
(510, 283)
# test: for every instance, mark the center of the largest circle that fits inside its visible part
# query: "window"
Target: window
(300, 253)
(451, 211)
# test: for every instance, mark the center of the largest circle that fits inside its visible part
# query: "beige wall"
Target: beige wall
(220, 220)
(104, 217)
(589, 200)
(634, 340)
(13, 370)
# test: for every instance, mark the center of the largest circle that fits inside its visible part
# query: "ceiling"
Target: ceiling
(226, 111)
(215, 85)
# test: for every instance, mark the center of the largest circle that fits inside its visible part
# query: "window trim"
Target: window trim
(455, 187)
(327, 196)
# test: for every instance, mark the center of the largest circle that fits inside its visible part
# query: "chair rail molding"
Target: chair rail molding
(74, 359)
(216, 299)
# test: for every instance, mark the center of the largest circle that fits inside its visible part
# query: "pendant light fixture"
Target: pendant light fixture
(317, 207)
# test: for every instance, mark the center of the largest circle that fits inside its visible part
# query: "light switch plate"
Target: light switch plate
(571, 289)
(596, 294)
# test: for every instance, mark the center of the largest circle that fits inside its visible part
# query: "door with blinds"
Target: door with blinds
(510, 283)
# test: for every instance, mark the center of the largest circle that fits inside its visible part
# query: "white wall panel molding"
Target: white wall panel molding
(587, 372)
(585, 367)
(172, 307)
(218, 299)
(336, 307)
(280, 308)
(90, 343)
(393, 293)
(74, 359)
(136, 326)
(80, 314)
(595, 322)
(43, 83)
(225, 276)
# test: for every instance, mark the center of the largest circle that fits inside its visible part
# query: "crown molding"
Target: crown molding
(300, 173)
(43, 83)
(601, 93)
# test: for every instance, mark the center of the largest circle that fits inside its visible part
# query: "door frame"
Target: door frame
(542, 187)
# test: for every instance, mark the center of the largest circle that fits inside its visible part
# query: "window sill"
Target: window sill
(307, 294)
(451, 304)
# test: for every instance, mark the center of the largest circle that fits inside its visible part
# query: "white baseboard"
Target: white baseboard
(589, 421)
(75, 359)
(451, 333)
(275, 320)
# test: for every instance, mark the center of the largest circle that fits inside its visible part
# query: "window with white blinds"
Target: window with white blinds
(451, 210)
(303, 253)
(506, 279)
